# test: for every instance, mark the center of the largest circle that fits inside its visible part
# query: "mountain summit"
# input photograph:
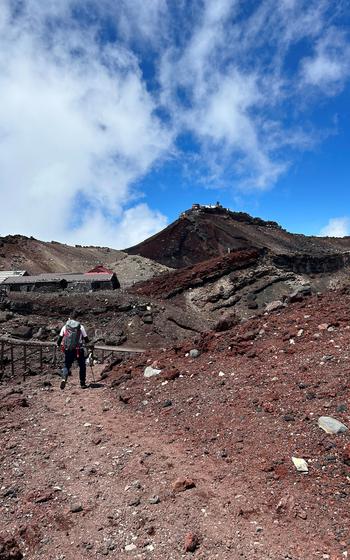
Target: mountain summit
(203, 232)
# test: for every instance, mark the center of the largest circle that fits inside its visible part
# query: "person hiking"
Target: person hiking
(71, 339)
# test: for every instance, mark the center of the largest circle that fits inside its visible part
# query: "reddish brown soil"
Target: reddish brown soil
(170, 284)
(227, 423)
(18, 252)
(204, 233)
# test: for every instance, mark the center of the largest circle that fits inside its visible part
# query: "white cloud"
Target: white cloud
(80, 123)
(134, 225)
(329, 67)
(336, 227)
(220, 99)
(77, 127)
(140, 20)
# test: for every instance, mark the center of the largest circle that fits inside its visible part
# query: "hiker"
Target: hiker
(71, 339)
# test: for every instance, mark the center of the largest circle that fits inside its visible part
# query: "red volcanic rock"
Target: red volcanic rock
(204, 232)
(191, 542)
(170, 284)
(13, 402)
(226, 324)
(346, 454)
(268, 407)
(170, 374)
(9, 549)
(182, 484)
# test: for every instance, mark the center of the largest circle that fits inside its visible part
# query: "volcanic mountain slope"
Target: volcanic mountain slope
(194, 462)
(244, 283)
(205, 232)
(18, 252)
(213, 294)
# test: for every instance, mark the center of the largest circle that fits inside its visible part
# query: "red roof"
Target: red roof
(100, 269)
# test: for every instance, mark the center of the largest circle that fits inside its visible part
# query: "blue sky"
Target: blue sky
(116, 115)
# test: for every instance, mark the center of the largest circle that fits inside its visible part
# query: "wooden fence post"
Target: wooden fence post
(24, 361)
(12, 364)
(2, 359)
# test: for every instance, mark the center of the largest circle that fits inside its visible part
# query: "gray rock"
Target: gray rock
(194, 353)
(331, 425)
(327, 358)
(5, 316)
(134, 502)
(299, 293)
(22, 332)
(151, 372)
(154, 500)
(40, 334)
(76, 508)
(273, 306)
(342, 408)
(167, 403)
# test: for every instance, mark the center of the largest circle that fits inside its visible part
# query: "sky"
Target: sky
(117, 115)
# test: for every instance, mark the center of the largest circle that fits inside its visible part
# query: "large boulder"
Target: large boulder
(22, 332)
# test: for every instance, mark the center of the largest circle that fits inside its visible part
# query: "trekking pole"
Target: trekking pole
(91, 360)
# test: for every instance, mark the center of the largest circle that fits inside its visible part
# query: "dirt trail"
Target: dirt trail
(76, 449)
(223, 425)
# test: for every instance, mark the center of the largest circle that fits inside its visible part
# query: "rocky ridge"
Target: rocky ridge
(205, 232)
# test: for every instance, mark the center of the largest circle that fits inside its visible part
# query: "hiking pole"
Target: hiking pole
(91, 361)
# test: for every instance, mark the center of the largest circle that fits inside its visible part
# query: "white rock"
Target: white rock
(273, 306)
(151, 372)
(87, 425)
(300, 464)
(221, 374)
(331, 425)
(130, 547)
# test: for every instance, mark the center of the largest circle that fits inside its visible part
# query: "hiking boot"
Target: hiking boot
(64, 375)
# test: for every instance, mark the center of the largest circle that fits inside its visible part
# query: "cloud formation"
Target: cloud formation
(96, 94)
(77, 128)
(329, 66)
(336, 227)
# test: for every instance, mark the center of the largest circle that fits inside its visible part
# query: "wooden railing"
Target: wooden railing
(14, 351)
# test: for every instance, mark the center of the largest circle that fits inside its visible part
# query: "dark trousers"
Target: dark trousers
(70, 356)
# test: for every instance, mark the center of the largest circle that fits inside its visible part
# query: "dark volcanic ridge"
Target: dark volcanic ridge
(204, 232)
(187, 448)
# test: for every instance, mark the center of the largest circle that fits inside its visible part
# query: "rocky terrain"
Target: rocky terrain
(194, 461)
(185, 450)
(18, 252)
(205, 232)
